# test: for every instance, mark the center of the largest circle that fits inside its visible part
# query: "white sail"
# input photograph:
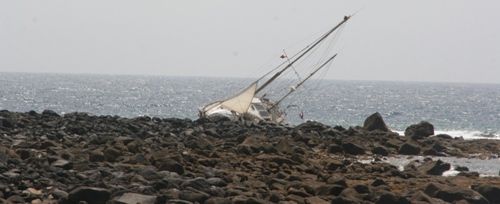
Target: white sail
(241, 102)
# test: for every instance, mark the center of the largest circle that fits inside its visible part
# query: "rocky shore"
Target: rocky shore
(81, 158)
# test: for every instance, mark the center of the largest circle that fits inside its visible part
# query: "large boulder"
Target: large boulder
(490, 192)
(454, 194)
(420, 130)
(375, 122)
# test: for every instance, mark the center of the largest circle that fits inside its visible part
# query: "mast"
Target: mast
(304, 80)
(346, 18)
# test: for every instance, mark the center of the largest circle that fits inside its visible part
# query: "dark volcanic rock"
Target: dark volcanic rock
(380, 151)
(390, 198)
(490, 192)
(420, 130)
(353, 149)
(454, 194)
(154, 160)
(434, 167)
(409, 149)
(89, 195)
(375, 122)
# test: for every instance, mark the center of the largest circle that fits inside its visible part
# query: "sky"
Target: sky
(394, 40)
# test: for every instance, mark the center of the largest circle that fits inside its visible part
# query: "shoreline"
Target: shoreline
(110, 159)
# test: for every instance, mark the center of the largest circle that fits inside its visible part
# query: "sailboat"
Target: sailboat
(249, 104)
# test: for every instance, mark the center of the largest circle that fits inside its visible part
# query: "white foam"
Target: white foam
(466, 134)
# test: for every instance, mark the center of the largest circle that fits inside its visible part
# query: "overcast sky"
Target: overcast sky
(425, 40)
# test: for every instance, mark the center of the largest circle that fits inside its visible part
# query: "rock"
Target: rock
(335, 149)
(134, 198)
(217, 182)
(409, 149)
(420, 130)
(217, 200)
(111, 154)
(434, 167)
(5, 123)
(329, 189)
(50, 113)
(421, 197)
(315, 200)
(89, 195)
(193, 196)
(390, 198)
(454, 194)
(59, 194)
(380, 151)
(353, 149)
(196, 183)
(379, 182)
(461, 168)
(375, 122)
(167, 164)
(96, 156)
(490, 192)
(64, 164)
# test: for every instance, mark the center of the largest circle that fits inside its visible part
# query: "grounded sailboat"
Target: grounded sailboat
(248, 105)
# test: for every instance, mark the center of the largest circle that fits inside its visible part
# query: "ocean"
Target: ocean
(468, 110)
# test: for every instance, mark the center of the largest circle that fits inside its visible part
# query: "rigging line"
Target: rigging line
(293, 68)
(346, 18)
(304, 80)
(296, 54)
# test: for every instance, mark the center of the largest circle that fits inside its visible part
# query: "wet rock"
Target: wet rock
(420, 130)
(434, 167)
(409, 149)
(353, 149)
(89, 195)
(134, 198)
(375, 122)
(490, 192)
(461, 168)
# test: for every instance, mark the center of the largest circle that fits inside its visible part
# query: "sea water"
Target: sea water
(468, 110)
